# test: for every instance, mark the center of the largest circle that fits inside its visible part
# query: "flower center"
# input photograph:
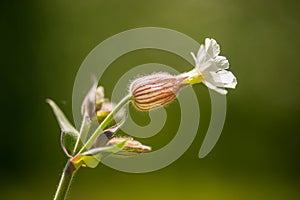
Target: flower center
(192, 77)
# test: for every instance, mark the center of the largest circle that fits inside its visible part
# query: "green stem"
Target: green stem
(65, 182)
(85, 127)
(70, 169)
(105, 122)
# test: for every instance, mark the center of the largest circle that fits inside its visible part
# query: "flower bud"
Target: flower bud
(131, 145)
(155, 90)
(99, 97)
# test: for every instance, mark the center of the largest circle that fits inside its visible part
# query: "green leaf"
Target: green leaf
(69, 133)
(64, 123)
(107, 149)
(91, 158)
(68, 142)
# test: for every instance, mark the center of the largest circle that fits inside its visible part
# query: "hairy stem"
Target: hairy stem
(65, 182)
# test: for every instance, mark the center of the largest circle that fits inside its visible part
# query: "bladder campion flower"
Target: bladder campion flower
(155, 90)
(86, 147)
(210, 68)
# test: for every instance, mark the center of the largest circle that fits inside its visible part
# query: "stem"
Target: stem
(65, 182)
(105, 122)
(69, 170)
(85, 127)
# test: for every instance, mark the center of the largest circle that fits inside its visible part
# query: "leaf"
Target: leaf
(64, 123)
(86, 161)
(69, 134)
(106, 149)
(91, 158)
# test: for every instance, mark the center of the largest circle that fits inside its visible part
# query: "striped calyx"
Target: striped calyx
(155, 90)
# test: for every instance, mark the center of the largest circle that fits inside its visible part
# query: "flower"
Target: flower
(155, 90)
(211, 69)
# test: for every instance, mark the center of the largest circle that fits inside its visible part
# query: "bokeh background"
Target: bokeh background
(257, 157)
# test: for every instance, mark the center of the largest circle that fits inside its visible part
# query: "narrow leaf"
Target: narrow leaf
(63, 122)
(69, 134)
(91, 158)
(106, 149)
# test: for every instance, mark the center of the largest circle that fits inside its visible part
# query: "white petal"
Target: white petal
(202, 55)
(208, 66)
(195, 59)
(212, 47)
(221, 62)
(213, 87)
(213, 65)
(228, 78)
(201, 59)
(201, 52)
(223, 78)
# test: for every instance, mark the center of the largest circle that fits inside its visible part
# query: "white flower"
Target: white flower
(212, 68)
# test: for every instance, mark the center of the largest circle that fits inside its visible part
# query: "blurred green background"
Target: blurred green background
(257, 157)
